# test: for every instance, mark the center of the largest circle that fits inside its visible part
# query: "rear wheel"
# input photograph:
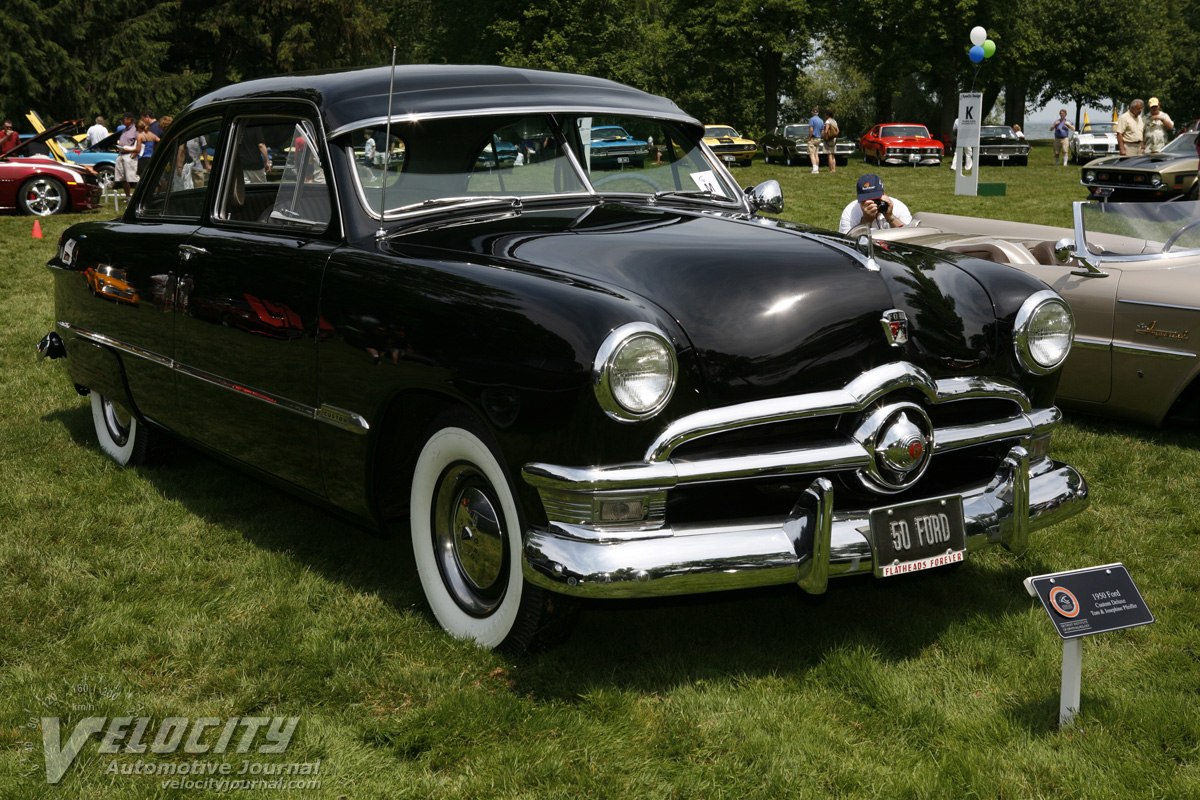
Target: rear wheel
(42, 196)
(122, 437)
(467, 535)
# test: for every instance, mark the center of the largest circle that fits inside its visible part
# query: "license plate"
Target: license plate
(1002, 157)
(1103, 192)
(917, 536)
(729, 158)
(622, 159)
(914, 158)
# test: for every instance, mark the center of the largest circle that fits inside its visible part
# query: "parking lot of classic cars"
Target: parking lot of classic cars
(552, 372)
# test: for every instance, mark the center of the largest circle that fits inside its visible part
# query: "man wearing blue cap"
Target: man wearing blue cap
(874, 208)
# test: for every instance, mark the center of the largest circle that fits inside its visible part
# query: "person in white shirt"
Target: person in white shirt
(96, 133)
(874, 208)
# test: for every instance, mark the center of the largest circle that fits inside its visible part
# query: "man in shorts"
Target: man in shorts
(125, 169)
(816, 126)
(1130, 127)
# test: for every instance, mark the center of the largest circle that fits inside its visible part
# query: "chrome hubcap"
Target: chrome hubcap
(470, 541)
(43, 198)
(118, 421)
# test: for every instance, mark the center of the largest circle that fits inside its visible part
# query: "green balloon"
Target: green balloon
(989, 48)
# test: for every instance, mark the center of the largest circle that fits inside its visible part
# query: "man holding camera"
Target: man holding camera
(874, 208)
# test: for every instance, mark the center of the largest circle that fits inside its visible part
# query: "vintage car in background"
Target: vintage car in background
(611, 146)
(1000, 144)
(1167, 174)
(901, 144)
(100, 157)
(1131, 272)
(1094, 140)
(570, 382)
(789, 143)
(42, 186)
(729, 145)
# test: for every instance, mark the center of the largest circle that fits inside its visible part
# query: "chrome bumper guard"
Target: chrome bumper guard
(812, 544)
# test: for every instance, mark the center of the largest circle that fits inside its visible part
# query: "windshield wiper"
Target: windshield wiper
(690, 194)
(513, 199)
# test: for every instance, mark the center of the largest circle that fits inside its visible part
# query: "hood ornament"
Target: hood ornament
(895, 327)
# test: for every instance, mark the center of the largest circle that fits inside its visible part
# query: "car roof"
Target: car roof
(358, 98)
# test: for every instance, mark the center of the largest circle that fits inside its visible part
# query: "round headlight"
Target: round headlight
(1089, 176)
(1155, 180)
(1043, 332)
(634, 372)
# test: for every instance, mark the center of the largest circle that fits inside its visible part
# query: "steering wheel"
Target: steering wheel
(618, 176)
(1175, 236)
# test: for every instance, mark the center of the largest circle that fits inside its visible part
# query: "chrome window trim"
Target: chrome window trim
(331, 415)
(1100, 258)
(505, 111)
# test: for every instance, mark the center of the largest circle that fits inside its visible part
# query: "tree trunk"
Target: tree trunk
(1014, 103)
(771, 66)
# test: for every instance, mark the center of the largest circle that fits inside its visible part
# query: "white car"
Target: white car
(1094, 140)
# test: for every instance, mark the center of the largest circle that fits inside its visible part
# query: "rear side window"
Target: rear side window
(273, 176)
(179, 183)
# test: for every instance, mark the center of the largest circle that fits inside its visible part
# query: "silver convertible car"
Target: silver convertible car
(1131, 272)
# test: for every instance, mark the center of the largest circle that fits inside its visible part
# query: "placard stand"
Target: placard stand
(1084, 602)
(1072, 680)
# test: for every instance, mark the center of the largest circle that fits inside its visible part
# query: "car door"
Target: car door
(132, 269)
(247, 322)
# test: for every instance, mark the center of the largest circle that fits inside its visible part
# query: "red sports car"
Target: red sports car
(901, 143)
(40, 185)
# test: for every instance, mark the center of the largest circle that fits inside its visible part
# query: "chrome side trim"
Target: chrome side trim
(1158, 305)
(1084, 343)
(763, 552)
(1145, 350)
(337, 417)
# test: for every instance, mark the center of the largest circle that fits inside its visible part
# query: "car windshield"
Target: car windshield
(796, 131)
(1184, 144)
(1099, 127)
(1121, 230)
(906, 131)
(716, 131)
(421, 165)
(998, 131)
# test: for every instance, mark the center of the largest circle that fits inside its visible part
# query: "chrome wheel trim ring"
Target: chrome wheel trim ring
(470, 541)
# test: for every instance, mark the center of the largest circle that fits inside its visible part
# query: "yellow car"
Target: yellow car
(729, 145)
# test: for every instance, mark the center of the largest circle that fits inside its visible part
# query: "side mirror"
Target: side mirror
(767, 196)
(1064, 250)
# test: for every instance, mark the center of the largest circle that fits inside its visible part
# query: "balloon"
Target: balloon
(989, 48)
(976, 54)
(978, 35)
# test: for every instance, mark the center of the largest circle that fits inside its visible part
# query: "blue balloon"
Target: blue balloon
(976, 53)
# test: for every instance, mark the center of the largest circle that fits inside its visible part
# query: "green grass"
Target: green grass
(194, 591)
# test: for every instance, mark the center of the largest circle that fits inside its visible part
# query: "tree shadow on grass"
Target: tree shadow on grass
(642, 645)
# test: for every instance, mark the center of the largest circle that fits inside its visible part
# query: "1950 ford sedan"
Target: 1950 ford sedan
(573, 381)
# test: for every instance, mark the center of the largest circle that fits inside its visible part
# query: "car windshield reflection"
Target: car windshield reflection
(417, 167)
(1122, 230)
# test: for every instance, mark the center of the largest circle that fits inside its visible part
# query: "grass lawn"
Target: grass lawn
(191, 591)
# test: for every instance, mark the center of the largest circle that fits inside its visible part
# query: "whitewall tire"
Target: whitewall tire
(124, 439)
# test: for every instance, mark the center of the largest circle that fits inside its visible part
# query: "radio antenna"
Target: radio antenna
(387, 148)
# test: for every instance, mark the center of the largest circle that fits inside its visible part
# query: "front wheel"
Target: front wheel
(42, 196)
(467, 534)
(122, 437)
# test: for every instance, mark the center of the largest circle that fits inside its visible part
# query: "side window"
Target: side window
(273, 176)
(177, 186)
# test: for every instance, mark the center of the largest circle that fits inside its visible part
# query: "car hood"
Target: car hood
(767, 309)
(1146, 161)
(22, 149)
(711, 140)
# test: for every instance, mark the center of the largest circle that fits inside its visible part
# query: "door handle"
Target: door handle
(187, 251)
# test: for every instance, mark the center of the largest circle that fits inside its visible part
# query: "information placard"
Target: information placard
(1084, 602)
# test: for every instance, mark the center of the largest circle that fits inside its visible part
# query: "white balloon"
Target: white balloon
(978, 35)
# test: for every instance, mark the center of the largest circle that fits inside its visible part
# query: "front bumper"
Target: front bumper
(578, 552)
(913, 158)
(814, 543)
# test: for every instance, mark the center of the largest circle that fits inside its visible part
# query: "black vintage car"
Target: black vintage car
(573, 381)
(1000, 144)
